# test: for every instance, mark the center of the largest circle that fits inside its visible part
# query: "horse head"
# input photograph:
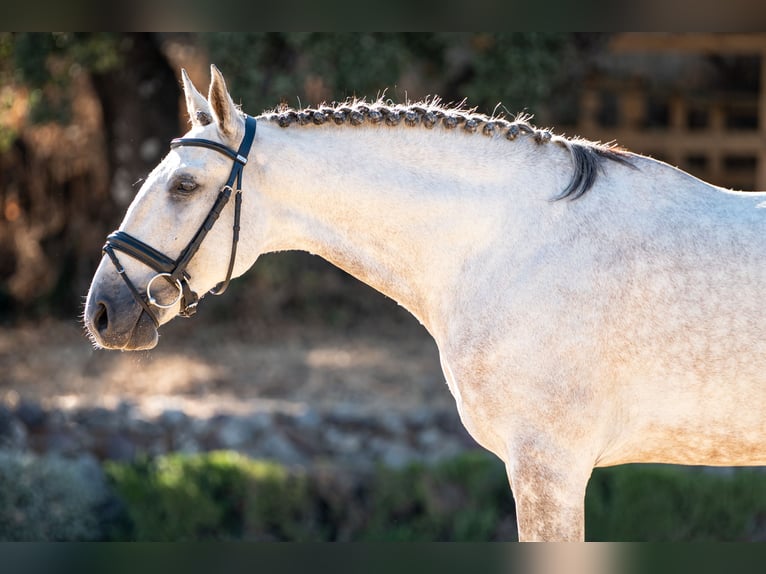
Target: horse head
(169, 248)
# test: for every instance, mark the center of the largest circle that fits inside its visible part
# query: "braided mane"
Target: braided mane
(587, 156)
(428, 114)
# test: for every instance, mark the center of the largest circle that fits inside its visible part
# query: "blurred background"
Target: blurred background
(303, 405)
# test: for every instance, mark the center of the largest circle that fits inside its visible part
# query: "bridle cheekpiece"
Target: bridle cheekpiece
(173, 271)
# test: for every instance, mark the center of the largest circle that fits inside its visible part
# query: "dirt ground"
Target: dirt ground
(205, 367)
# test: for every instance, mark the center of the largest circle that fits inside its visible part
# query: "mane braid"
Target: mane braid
(587, 157)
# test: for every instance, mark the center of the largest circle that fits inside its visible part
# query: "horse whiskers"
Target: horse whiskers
(81, 319)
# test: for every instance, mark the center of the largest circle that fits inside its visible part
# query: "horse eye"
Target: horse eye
(186, 186)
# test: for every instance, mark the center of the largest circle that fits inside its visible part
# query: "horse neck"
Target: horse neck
(402, 209)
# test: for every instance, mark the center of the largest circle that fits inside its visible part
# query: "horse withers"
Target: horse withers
(591, 306)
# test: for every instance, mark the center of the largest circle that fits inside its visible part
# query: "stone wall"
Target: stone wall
(340, 435)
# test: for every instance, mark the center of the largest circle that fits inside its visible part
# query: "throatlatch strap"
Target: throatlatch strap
(221, 287)
(207, 225)
(234, 183)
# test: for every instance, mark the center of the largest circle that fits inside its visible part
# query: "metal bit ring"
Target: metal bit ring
(153, 301)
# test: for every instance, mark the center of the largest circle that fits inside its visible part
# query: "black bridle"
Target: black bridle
(174, 270)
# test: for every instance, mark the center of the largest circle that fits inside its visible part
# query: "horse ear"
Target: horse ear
(196, 104)
(221, 104)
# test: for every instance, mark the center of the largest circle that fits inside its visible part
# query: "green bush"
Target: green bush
(665, 503)
(216, 496)
(462, 499)
(278, 504)
(227, 496)
(49, 498)
(520, 69)
(224, 495)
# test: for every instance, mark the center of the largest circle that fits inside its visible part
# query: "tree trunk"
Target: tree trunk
(140, 105)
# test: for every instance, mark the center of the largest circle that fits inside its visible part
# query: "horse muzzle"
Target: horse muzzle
(114, 320)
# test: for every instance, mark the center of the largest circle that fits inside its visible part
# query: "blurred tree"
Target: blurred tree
(139, 101)
(85, 116)
(519, 68)
(96, 112)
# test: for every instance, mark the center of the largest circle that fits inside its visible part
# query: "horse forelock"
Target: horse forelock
(587, 156)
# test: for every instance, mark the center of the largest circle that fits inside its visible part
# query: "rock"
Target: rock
(234, 432)
(377, 446)
(120, 448)
(392, 424)
(172, 418)
(398, 456)
(6, 421)
(444, 450)
(63, 443)
(342, 434)
(94, 418)
(261, 422)
(347, 414)
(430, 438)
(188, 445)
(57, 419)
(126, 408)
(144, 429)
(448, 421)
(421, 417)
(91, 471)
(17, 438)
(31, 414)
(13, 434)
(276, 446)
(308, 420)
(342, 442)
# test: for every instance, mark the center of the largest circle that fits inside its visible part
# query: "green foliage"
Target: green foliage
(40, 58)
(47, 62)
(266, 68)
(263, 69)
(278, 505)
(519, 68)
(48, 499)
(656, 503)
(217, 496)
(226, 496)
(462, 499)
(173, 498)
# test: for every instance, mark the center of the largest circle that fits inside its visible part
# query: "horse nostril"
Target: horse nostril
(101, 320)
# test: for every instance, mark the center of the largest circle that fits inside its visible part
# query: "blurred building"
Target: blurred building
(696, 101)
